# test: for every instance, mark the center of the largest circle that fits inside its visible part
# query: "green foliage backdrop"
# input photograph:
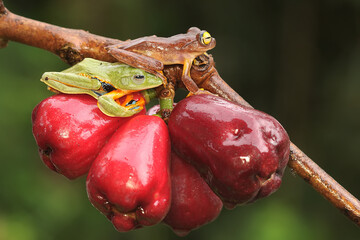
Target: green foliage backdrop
(296, 60)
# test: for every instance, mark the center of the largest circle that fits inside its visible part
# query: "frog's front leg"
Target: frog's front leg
(189, 83)
(71, 83)
(136, 60)
(109, 104)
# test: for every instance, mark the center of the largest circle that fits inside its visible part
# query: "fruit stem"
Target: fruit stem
(166, 103)
(2, 8)
(149, 94)
(166, 98)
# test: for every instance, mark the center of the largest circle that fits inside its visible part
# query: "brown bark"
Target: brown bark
(74, 45)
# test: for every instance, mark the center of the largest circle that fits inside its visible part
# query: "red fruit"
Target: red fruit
(129, 181)
(70, 130)
(239, 151)
(193, 203)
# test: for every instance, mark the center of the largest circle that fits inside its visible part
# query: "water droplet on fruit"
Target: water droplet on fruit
(131, 184)
(142, 211)
(64, 134)
(245, 159)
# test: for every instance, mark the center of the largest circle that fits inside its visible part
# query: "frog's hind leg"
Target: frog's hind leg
(149, 64)
(71, 83)
(111, 105)
(189, 83)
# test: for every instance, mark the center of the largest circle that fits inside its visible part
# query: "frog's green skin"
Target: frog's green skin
(104, 81)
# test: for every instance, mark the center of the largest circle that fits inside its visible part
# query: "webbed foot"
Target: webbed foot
(125, 106)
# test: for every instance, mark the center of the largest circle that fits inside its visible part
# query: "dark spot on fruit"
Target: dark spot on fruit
(110, 215)
(47, 151)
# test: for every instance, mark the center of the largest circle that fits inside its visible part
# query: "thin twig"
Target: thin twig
(3, 42)
(73, 45)
(2, 8)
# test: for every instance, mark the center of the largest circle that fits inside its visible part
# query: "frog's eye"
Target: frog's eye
(139, 79)
(205, 38)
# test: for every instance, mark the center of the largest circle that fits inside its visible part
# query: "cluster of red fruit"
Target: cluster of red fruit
(142, 172)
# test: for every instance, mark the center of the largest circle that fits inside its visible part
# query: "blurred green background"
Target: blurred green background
(296, 60)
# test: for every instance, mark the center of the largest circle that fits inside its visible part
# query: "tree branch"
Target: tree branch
(74, 45)
(3, 42)
(2, 8)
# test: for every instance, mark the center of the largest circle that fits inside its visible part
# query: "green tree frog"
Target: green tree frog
(107, 82)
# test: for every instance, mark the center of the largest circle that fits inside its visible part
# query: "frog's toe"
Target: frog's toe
(200, 91)
(134, 105)
(131, 102)
(111, 108)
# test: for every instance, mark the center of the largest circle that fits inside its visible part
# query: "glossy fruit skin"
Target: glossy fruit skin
(70, 130)
(193, 202)
(239, 151)
(129, 181)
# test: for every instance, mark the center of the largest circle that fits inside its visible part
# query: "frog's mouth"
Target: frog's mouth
(153, 82)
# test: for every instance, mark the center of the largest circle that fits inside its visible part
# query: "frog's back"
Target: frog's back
(96, 68)
(88, 66)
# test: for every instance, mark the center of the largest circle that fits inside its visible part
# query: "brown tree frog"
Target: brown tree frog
(151, 53)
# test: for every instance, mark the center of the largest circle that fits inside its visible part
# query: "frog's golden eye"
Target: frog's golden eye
(205, 38)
